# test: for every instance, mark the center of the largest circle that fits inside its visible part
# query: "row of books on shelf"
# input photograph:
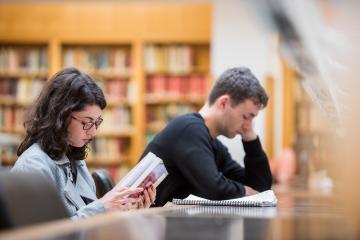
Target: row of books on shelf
(22, 90)
(25, 90)
(157, 58)
(115, 88)
(11, 119)
(158, 116)
(176, 86)
(100, 60)
(108, 150)
(23, 59)
(116, 119)
(172, 59)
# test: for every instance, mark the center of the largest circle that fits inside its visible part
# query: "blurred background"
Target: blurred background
(158, 59)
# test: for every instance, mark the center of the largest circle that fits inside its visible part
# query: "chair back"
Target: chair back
(103, 182)
(28, 199)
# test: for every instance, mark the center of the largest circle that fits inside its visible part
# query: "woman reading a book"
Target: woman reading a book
(61, 124)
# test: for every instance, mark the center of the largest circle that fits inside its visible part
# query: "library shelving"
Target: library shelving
(109, 41)
(177, 78)
(174, 77)
(23, 72)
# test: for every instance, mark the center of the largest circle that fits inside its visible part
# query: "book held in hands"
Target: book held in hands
(262, 199)
(150, 170)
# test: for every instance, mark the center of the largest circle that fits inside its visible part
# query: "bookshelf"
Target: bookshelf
(98, 39)
(177, 79)
(23, 72)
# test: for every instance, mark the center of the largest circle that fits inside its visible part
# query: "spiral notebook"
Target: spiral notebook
(263, 199)
(227, 211)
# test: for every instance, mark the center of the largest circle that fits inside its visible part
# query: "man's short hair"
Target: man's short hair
(240, 84)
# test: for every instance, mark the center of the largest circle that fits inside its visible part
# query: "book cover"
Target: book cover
(150, 170)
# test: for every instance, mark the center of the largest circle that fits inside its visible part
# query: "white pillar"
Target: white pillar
(239, 40)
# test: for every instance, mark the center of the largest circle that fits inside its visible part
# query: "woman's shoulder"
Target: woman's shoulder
(35, 160)
(34, 151)
(33, 155)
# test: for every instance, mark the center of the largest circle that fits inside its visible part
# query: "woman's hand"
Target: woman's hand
(148, 197)
(118, 199)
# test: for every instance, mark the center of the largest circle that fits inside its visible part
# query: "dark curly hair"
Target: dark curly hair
(69, 90)
(240, 84)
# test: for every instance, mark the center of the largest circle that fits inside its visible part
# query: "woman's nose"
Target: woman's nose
(92, 131)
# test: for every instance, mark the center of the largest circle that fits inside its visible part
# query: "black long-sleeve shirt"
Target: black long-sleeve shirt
(198, 164)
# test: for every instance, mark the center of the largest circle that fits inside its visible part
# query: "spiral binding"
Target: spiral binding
(218, 203)
(228, 211)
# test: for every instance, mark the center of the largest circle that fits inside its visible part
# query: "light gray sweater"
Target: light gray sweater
(35, 160)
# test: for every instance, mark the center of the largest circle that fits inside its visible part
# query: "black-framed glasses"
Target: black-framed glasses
(89, 125)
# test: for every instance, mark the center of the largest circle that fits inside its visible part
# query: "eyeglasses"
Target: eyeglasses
(89, 125)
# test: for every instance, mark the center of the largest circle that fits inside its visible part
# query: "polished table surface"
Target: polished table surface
(298, 215)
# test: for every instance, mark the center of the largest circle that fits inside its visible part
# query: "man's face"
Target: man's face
(238, 119)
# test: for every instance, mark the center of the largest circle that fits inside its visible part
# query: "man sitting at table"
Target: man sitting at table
(197, 162)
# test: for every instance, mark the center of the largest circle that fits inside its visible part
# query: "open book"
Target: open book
(150, 170)
(263, 199)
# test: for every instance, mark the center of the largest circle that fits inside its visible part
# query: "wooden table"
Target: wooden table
(299, 215)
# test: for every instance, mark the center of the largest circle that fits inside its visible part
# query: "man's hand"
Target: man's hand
(249, 191)
(248, 134)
